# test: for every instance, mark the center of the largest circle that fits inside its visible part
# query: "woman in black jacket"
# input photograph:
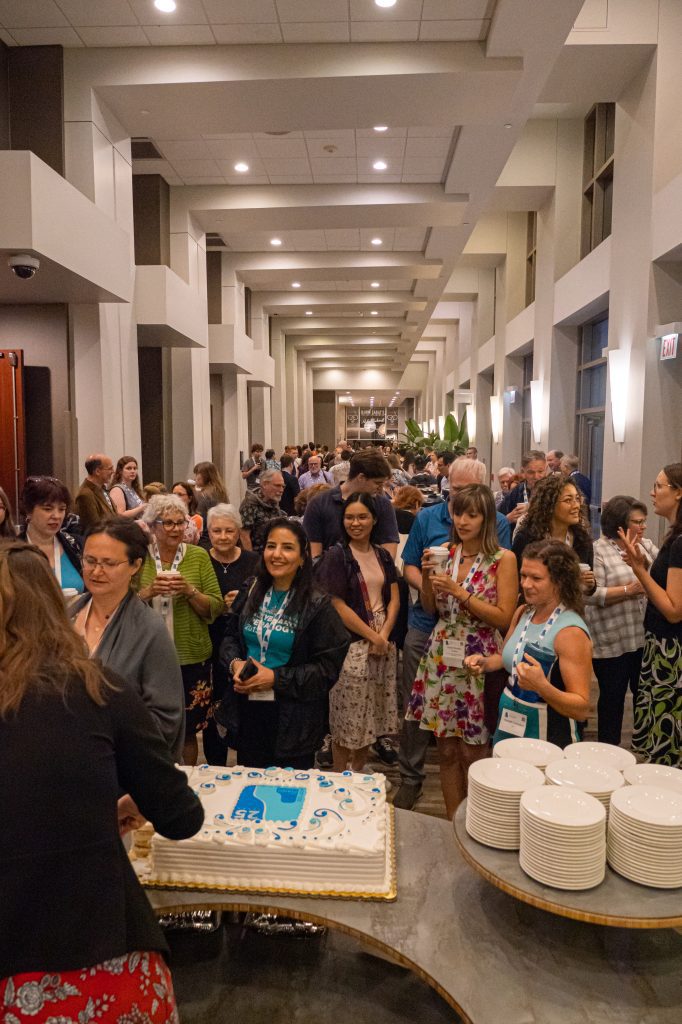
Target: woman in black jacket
(77, 934)
(45, 502)
(288, 643)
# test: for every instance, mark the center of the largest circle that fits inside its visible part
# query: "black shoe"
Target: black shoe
(407, 796)
(324, 758)
(383, 749)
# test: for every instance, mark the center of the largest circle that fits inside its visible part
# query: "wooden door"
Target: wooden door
(12, 426)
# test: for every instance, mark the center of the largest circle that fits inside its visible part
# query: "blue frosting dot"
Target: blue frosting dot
(293, 824)
(347, 774)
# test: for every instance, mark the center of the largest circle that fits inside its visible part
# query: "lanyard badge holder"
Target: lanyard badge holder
(454, 647)
(264, 631)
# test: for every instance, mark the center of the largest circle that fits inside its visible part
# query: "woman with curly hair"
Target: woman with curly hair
(547, 651)
(557, 511)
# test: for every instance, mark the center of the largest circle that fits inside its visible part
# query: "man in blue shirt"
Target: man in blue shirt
(431, 528)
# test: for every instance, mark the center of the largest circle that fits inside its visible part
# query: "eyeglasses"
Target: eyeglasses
(170, 524)
(638, 523)
(357, 519)
(37, 479)
(91, 563)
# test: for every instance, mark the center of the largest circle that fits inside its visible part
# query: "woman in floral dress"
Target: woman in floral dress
(474, 595)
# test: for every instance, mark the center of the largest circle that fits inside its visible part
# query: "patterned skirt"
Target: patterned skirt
(363, 704)
(658, 713)
(131, 989)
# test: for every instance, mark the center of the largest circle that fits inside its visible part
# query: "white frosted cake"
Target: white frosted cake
(277, 829)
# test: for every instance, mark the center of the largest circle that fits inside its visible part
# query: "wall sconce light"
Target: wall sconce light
(619, 372)
(495, 417)
(471, 422)
(441, 426)
(536, 398)
(432, 426)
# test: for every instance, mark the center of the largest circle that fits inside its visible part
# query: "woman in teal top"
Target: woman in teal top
(547, 651)
(44, 503)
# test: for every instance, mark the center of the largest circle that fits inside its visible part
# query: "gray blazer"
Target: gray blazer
(137, 645)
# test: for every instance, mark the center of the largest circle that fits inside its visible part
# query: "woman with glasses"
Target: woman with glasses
(178, 580)
(78, 938)
(615, 613)
(44, 503)
(658, 712)
(122, 632)
(7, 530)
(195, 524)
(557, 511)
(361, 579)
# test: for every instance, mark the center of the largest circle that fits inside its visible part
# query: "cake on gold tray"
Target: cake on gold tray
(278, 830)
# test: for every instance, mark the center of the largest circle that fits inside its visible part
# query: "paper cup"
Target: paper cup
(440, 556)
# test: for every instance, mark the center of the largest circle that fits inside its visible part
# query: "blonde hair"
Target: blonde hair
(39, 651)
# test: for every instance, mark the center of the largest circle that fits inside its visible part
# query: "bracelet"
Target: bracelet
(465, 603)
(625, 591)
(231, 670)
(193, 594)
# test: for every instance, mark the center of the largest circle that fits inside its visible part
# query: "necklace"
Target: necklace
(224, 565)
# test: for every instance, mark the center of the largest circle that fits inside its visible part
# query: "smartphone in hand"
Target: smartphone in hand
(250, 669)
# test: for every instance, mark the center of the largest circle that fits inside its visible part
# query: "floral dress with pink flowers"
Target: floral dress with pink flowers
(448, 700)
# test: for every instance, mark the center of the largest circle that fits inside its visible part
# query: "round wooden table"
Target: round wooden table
(491, 957)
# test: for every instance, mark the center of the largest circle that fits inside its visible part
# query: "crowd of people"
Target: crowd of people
(349, 599)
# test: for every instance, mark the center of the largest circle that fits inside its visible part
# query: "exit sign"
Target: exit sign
(669, 346)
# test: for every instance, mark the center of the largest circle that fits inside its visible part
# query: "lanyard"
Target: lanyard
(264, 632)
(165, 603)
(57, 556)
(467, 579)
(522, 639)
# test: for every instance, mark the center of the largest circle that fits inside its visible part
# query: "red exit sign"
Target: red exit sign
(669, 346)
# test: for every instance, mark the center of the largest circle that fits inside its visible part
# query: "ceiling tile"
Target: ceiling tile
(291, 179)
(384, 32)
(378, 148)
(312, 10)
(391, 133)
(316, 32)
(431, 149)
(444, 132)
(366, 170)
(226, 136)
(97, 13)
(282, 148)
(195, 149)
(420, 179)
(335, 165)
(367, 234)
(335, 179)
(179, 35)
(203, 181)
(195, 168)
(274, 165)
(344, 134)
(367, 10)
(446, 10)
(409, 239)
(187, 12)
(233, 149)
(342, 238)
(123, 35)
(309, 241)
(240, 12)
(453, 31)
(254, 179)
(30, 13)
(424, 165)
(266, 33)
(46, 37)
(342, 147)
(369, 177)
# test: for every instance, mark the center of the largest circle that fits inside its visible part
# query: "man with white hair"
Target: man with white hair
(569, 467)
(259, 507)
(431, 528)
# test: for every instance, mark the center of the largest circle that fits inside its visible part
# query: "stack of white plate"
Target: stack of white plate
(495, 788)
(598, 780)
(645, 836)
(601, 753)
(523, 748)
(654, 775)
(563, 839)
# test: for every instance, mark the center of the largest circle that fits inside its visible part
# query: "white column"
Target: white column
(278, 395)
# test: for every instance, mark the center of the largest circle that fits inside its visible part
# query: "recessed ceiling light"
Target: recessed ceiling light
(508, 126)
(295, 284)
(385, 3)
(374, 312)
(168, 6)
(377, 241)
(379, 165)
(374, 284)
(241, 168)
(308, 312)
(275, 241)
(380, 127)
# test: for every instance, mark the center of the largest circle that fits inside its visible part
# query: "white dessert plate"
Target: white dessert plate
(562, 806)
(604, 753)
(598, 780)
(654, 775)
(523, 748)
(651, 804)
(505, 775)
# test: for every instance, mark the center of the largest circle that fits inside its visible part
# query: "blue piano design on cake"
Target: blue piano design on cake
(269, 803)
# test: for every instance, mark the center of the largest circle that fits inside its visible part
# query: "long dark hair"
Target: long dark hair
(118, 474)
(673, 471)
(363, 499)
(563, 566)
(546, 494)
(302, 586)
(7, 531)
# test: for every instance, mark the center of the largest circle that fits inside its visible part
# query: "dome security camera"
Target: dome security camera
(24, 266)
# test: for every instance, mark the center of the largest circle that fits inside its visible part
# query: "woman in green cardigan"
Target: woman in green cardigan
(179, 582)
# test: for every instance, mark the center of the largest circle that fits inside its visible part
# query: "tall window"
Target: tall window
(531, 242)
(526, 419)
(590, 409)
(597, 176)
(247, 311)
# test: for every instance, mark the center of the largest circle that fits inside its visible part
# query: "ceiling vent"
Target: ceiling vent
(144, 149)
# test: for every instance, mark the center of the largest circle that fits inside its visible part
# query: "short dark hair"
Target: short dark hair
(531, 456)
(371, 464)
(92, 465)
(448, 457)
(286, 460)
(128, 533)
(270, 453)
(419, 462)
(43, 490)
(615, 515)
(563, 566)
(256, 447)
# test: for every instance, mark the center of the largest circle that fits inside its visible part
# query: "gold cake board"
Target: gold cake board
(389, 896)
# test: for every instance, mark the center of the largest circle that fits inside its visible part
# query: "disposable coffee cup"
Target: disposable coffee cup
(439, 555)
(584, 567)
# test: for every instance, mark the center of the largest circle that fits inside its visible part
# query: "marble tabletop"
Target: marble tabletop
(490, 956)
